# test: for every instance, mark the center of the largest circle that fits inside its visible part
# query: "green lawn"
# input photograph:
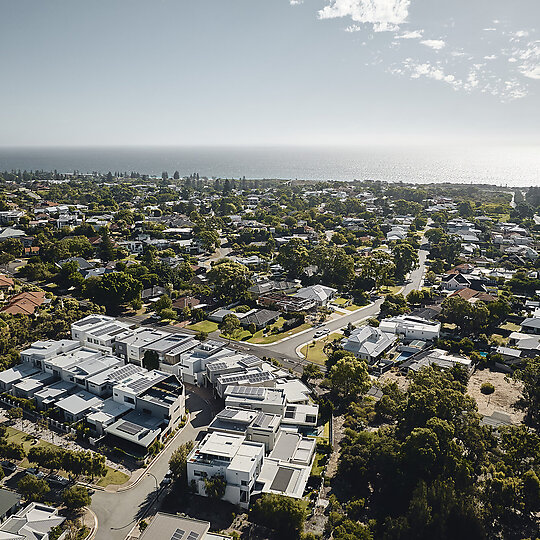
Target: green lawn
(315, 352)
(512, 327)
(340, 301)
(204, 326)
(318, 464)
(352, 307)
(391, 290)
(113, 477)
(272, 338)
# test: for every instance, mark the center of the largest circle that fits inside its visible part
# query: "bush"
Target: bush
(283, 514)
(487, 389)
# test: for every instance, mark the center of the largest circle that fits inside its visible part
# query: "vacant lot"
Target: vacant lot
(507, 392)
(394, 375)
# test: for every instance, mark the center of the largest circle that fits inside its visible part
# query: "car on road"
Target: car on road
(154, 318)
(320, 333)
(8, 467)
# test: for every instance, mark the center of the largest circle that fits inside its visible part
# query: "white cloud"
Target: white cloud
(296, 2)
(533, 73)
(415, 34)
(383, 15)
(521, 33)
(490, 57)
(436, 44)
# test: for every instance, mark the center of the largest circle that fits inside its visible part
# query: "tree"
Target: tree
(15, 413)
(487, 388)
(311, 371)
(334, 265)
(163, 302)
(215, 486)
(394, 304)
(470, 318)
(178, 462)
(283, 514)
(230, 325)
(466, 209)
(349, 377)
(405, 258)
(231, 280)
(167, 314)
(530, 399)
(76, 497)
(150, 360)
(113, 290)
(106, 247)
(294, 256)
(33, 489)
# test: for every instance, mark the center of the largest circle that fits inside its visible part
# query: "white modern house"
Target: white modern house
(410, 328)
(99, 332)
(368, 343)
(230, 456)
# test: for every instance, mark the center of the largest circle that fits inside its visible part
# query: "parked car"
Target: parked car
(34, 472)
(8, 467)
(57, 480)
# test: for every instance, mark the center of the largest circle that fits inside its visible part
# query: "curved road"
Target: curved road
(117, 511)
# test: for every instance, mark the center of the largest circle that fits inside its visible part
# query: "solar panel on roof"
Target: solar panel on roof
(129, 428)
(193, 535)
(227, 413)
(178, 534)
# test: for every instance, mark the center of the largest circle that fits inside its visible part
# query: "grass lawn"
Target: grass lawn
(315, 353)
(391, 290)
(318, 464)
(28, 442)
(340, 301)
(353, 307)
(272, 338)
(203, 326)
(113, 477)
(512, 327)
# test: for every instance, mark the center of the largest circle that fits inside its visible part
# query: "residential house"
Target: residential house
(411, 328)
(368, 343)
(319, 293)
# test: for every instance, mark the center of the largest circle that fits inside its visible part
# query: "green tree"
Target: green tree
(163, 302)
(294, 256)
(150, 360)
(405, 258)
(33, 489)
(349, 378)
(76, 497)
(231, 280)
(283, 514)
(230, 325)
(215, 486)
(106, 247)
(530, 398)
(178, 462)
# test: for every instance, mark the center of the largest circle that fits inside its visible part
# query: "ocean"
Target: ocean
(512, 166)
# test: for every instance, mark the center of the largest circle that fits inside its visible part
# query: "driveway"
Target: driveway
(118, 512)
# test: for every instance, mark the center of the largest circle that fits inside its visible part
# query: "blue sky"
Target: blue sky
(269, 72)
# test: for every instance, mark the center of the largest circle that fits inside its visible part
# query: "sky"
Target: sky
(269, 72)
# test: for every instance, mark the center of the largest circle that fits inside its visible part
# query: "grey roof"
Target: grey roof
(8, 499)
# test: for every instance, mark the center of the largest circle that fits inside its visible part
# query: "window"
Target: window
(127, 399)
(243, 483)
(310, 419)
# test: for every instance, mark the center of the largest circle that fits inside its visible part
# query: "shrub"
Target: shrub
(487, 389)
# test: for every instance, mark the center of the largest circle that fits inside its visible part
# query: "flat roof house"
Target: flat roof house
(169, 527)
(231, 456)
(76, 406)
(13, 375)
(131, 347)
(99, 332)
(411, 328)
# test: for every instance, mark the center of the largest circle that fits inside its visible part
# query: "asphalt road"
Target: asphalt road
(117, 512)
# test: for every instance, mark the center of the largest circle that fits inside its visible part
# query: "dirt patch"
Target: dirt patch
(507, 392)
(394, 375)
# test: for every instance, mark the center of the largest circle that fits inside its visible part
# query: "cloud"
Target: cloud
(533, 73)
(296, 2)
(415, 34)
(383, 15)
(436, 44)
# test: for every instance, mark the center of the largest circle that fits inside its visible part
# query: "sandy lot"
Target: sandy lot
(394, 375)
(507, 391)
